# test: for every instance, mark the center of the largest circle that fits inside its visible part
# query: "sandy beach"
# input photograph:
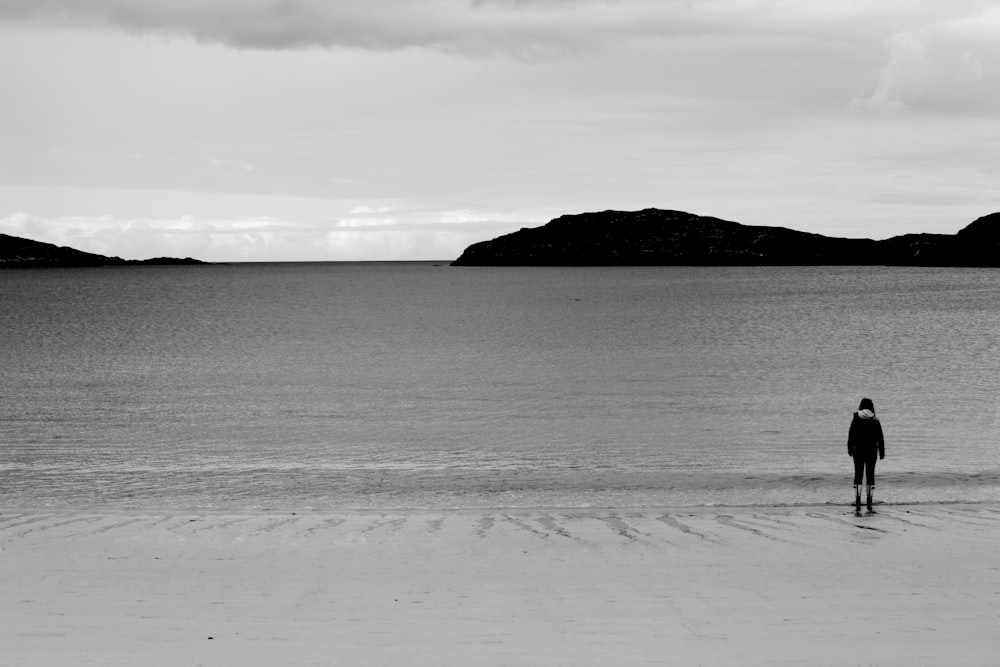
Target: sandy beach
(916, 585)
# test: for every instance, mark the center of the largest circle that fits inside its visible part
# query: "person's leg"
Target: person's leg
(870, 477)
(859, 469)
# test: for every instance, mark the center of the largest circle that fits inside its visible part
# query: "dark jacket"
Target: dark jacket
(865, 436)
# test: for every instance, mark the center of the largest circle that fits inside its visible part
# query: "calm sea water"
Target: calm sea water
(326, 386)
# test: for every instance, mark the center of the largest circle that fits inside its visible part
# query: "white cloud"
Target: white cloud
(395, 244)
(139, 238)
(15, 224)
(366, 222)
(230, 164)
(431, 219)
(952, 66)
(362, 210)
(248, 239)
(474, 217)
(467, 215)
(342, 180)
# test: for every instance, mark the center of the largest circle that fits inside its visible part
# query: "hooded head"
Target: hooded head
(866, 409)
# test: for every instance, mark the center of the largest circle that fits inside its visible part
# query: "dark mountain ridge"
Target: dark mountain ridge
(19, 252)
(656, 237)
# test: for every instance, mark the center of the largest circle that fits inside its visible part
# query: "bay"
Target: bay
(405, 385)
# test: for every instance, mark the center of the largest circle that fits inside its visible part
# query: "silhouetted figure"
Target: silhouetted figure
(864, 443)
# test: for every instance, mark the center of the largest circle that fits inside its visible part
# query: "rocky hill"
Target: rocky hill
(19, 252)
(660, 237)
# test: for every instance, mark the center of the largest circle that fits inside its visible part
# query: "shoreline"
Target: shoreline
(910, 584)
(306, 511)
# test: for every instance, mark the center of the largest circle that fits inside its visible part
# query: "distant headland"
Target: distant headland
(16, 252)
(655, 237)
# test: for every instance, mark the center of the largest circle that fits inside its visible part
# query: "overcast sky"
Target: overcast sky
(408, 129)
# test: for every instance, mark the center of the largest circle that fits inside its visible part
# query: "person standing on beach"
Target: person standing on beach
(864, 442)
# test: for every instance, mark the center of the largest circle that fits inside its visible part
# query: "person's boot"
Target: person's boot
(857, 496)
(871, 488)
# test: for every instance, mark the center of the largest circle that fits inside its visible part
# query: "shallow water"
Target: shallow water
(417, 385)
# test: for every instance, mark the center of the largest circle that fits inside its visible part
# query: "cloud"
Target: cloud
(365, 210)
(467, 216)
(366, 222)
(223, 163)
(15, 224)
(139, 238)
(393, 245)
(950, 67)
(527, 29)
(523, 29)
(431, 236)
(148, 109)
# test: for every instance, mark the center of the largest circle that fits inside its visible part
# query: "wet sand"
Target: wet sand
(915, 585)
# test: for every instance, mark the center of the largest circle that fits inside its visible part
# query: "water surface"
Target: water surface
(381, 385)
